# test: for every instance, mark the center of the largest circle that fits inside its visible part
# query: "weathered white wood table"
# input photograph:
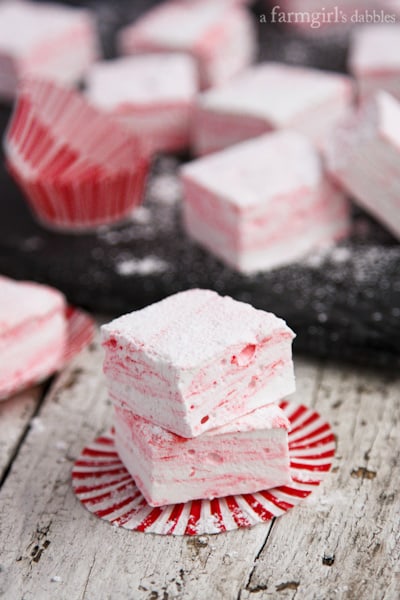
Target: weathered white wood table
(342, 542)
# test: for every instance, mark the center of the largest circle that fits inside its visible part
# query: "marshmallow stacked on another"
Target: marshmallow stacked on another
(194, 379)
(46, 40)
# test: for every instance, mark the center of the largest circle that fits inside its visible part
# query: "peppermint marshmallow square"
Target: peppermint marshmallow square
(375, 59)
(44, 40)
(263, 203)
(363, 158)
(267, 97)
(152, 94)
(32, 334)
(220, 36)
(246, 456)
(196, 360)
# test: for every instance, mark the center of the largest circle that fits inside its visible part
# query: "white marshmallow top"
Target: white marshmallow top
(375, 48)
(275, 92)
(25, 25)
(258, 170)
(378, 118)
(22, 301)
(143, 79)
(180, 24)
(192, 327)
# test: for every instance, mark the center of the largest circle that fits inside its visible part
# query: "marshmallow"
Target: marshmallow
(363, 157)
(263, 203)
(375, 59)
(152, 94)
(219, 35)
(46, 40)
(246, 456)
(266, 97)
(196, 361)
(32, 334)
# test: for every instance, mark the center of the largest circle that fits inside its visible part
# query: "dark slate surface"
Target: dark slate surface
(344, 303)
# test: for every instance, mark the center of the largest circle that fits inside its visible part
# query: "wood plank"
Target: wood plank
(15, 416)
(344, 542)
(52, 547)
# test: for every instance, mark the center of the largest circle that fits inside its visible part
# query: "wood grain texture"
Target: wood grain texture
(344, 541)
(53, 548)
(15, 417)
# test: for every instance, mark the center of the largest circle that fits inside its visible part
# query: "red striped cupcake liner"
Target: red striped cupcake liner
(80, 332)
(106, 489)
(77, 166)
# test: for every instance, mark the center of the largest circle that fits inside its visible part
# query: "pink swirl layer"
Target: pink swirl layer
(249, 455)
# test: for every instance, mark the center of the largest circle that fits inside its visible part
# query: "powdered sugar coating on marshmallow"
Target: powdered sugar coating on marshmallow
(219, 35)
(32, 333)
(196, 360)
(262, 203)
(375, 59)
(266, 97)
(246, 456)
(153, 94)
(45, 40)
(363, 157)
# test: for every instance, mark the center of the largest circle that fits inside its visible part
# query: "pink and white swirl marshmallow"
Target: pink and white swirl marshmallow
(220, 36)
(33, 334)
(250, 454)
(196, 360)
(263, 203)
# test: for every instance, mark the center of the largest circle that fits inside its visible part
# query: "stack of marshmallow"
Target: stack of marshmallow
(195, 381)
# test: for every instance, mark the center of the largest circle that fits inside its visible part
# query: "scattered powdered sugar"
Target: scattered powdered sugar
(141, 215)
(141, 266)
(340, 254)
(165, 186)
(210, 523)
(323, 502)
(116, 236)
(33, 243)
(315, 259)
(37, 425)
(60, 445)
(335, 254)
